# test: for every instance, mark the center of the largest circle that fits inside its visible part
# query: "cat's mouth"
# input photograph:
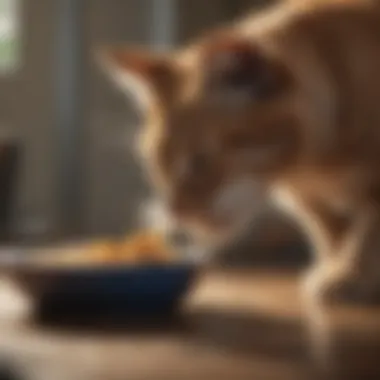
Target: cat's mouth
(210, 228)
(224, 214)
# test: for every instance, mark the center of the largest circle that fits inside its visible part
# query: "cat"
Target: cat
(281, 106)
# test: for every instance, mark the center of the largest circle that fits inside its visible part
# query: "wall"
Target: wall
(113, 183)
(27, 111)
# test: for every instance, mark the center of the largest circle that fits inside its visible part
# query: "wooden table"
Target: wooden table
(235, 325)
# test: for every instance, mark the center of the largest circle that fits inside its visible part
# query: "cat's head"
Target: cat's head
(219, 125)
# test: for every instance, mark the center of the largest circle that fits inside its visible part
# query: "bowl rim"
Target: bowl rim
(21, 261)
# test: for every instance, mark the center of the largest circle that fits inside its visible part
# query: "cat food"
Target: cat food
(137, 249)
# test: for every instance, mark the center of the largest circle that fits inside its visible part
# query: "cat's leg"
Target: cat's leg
(346, 248)
(346, 268)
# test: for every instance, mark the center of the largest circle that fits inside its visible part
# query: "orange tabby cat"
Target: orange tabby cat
(282, 106)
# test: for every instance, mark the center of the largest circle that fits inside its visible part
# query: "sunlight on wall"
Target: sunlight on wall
(9, 35)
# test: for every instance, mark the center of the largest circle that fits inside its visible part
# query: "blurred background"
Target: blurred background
(68, 168)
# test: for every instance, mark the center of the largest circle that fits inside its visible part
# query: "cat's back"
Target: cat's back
(337, 32)
(334, 46)
(319, 22)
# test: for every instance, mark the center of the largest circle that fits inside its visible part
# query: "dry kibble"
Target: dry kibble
(135, 249)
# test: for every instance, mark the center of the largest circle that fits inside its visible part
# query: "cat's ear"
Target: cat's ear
(146, 76)
(237, 71)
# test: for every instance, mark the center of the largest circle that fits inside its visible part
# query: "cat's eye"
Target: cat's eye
(240, 73)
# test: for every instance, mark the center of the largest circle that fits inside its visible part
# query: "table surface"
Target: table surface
(235, 325)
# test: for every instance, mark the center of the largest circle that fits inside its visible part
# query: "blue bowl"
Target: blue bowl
(140, 289)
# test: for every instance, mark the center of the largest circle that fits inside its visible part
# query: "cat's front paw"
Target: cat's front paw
(332, 284)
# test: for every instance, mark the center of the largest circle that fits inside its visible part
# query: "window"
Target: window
(9, 35)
